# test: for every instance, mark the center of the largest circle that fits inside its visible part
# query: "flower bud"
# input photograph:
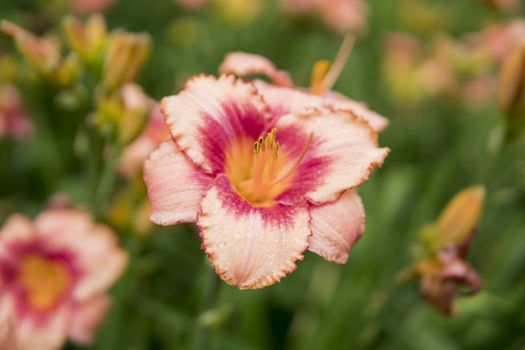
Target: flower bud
(511, 90)
(125, 56)
(42, 54)
(445, 277)
(319, 72)
(460, 217)
(122, 114)
(87, 40)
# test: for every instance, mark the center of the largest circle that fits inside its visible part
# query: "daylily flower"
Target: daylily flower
(14, 121)
(442, 268)
(54, 273)
(262, 186)
(284, 98)
(341, 15)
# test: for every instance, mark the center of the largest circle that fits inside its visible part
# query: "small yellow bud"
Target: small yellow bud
(460, 217)
(43, 54)
(87, 40)
(125, 56)
(319, 72)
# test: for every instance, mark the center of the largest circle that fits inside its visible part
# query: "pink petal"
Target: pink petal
(87, 317)
(336, 227)
(287, 100)
(175, 185)
(49, 335)
(242, 64)
(102, 263)
(212, 112)
(340, 101)
(59, 222)
(283, 100)
(250, 247)
(7, 330)
(349, 145)
(16, 228)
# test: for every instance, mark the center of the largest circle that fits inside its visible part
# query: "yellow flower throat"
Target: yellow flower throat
(259, 171)
(44, 280)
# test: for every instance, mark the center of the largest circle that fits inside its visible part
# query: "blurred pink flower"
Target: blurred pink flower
(14, 121)
(497, 41)
(91, 6)
(445, 277)
(445, 272)
(341, 15)
(153, 135)
(54, 274)
(284, 98)
(262, 184)
(192, 4)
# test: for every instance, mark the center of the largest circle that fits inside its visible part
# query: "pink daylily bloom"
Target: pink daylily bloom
(285, 99)
(262, 185)
(54, 274)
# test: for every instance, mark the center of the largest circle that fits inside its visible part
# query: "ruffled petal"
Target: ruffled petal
(175, 185)
(250, 247)
(346, 143)
(87, 317)
(283, 101)
(210, 113)
(340, 101)
(336, 227)
(242, 64)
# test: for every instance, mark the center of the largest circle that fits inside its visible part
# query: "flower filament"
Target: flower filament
(259, 174)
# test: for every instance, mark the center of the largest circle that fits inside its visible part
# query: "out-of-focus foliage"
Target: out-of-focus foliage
(430, 66)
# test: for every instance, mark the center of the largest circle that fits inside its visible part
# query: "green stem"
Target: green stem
(209, 299)
(106, 182)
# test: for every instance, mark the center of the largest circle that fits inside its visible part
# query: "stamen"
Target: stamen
(261, 175)
(337, 67)
(297, 161)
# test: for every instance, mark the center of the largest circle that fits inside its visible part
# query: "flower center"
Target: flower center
(44, 280)
(259, 171)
